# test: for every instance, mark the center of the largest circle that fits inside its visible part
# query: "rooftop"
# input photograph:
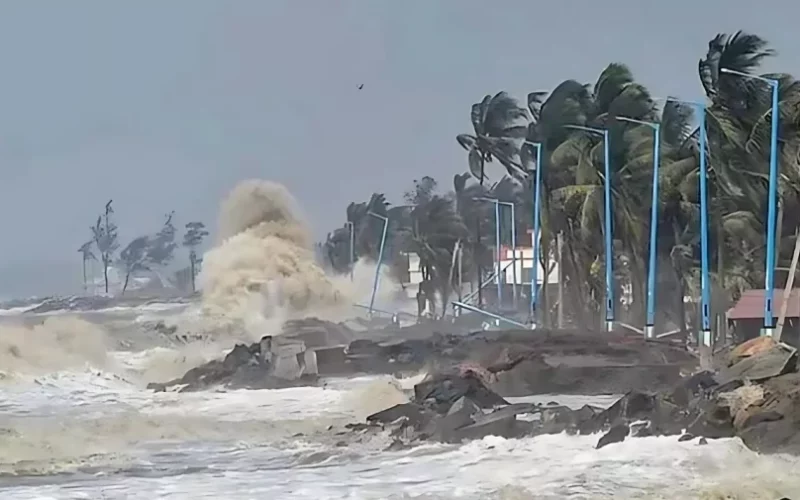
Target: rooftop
(751, 305)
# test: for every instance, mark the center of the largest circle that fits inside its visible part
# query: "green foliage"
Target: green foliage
(104, 234)
(738, 125)
(134, 258)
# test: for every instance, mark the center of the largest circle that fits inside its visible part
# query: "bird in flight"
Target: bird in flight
(361, 86)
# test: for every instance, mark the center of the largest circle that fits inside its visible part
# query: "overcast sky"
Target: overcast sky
(165, 105)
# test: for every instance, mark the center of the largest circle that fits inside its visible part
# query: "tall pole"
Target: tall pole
(513, 249)
(769, 275)
(535, 235)
(609, 239)
(380, 261)
(608, 223)
(705, 293)
(772, 201)
(650, 320)
(498, 253)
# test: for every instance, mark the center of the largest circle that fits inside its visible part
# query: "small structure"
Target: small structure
(746, 317)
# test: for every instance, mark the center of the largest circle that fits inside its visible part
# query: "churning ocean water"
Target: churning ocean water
(88, 432)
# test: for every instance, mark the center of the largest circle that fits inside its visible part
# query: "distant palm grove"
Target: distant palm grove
(430, 222)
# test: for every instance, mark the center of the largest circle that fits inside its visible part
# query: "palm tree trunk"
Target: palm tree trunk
(681, 305)
(84, 275)
(192, 259)
(544, 257)
(477, 255)
(105, 271)
(125, 286)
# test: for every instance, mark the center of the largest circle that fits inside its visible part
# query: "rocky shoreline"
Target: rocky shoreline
(522, 362)
(753, 395)
(753, 392)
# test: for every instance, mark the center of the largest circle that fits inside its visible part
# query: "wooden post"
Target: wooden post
(787, 291)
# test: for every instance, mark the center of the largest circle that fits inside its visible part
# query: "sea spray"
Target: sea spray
(263, 269)
(58, 343)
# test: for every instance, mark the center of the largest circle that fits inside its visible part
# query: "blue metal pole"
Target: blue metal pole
(705, 294)
(769, 278)
(650, 322)
(535, 236)
(380, 260)
(497, 244)
(772, 201)
(609, 239)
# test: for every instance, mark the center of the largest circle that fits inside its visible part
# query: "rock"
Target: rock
(630, 407)
(763, 364)
(446, 389)
(641, 429)
(691, 387)
(492, 424)
(750, 348)
(756, 398)
(558, 419)
(714, 421)
(460, 415)
(245, 366)
(416, 414)
(702, 441)
(397, 445)
(757, 418)
(616, 434)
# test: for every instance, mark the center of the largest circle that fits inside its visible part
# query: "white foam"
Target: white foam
(546, 467)
(240, 444)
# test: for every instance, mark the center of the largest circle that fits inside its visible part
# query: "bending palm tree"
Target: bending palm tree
(500, 125)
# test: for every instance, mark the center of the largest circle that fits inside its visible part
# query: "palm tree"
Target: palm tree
(86, 255)
(500, 125)
(739, 128)
(434, 231)
(738, 124)
(580, 198)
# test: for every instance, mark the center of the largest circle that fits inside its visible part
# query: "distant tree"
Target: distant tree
(424, 190)
(104, 234)
(133, 258)
(86, 255)
(192, 238)
(162, 245)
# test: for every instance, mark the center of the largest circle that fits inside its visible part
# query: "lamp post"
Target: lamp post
(351, 227)
(769, 279)
(497, 245)
(380, 259)
(535, 235)
(705, 291)
(649, 326)
(513, 249)
(607, 222)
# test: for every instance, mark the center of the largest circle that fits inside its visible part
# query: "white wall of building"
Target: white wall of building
(524, 266)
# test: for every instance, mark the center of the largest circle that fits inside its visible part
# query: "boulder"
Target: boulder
(261, 365)
(445, 389)
(755, 397)
(415, 414)
(616, 434)
(750, 348)
(769, 361)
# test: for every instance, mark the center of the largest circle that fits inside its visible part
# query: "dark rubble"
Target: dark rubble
(754, 395)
